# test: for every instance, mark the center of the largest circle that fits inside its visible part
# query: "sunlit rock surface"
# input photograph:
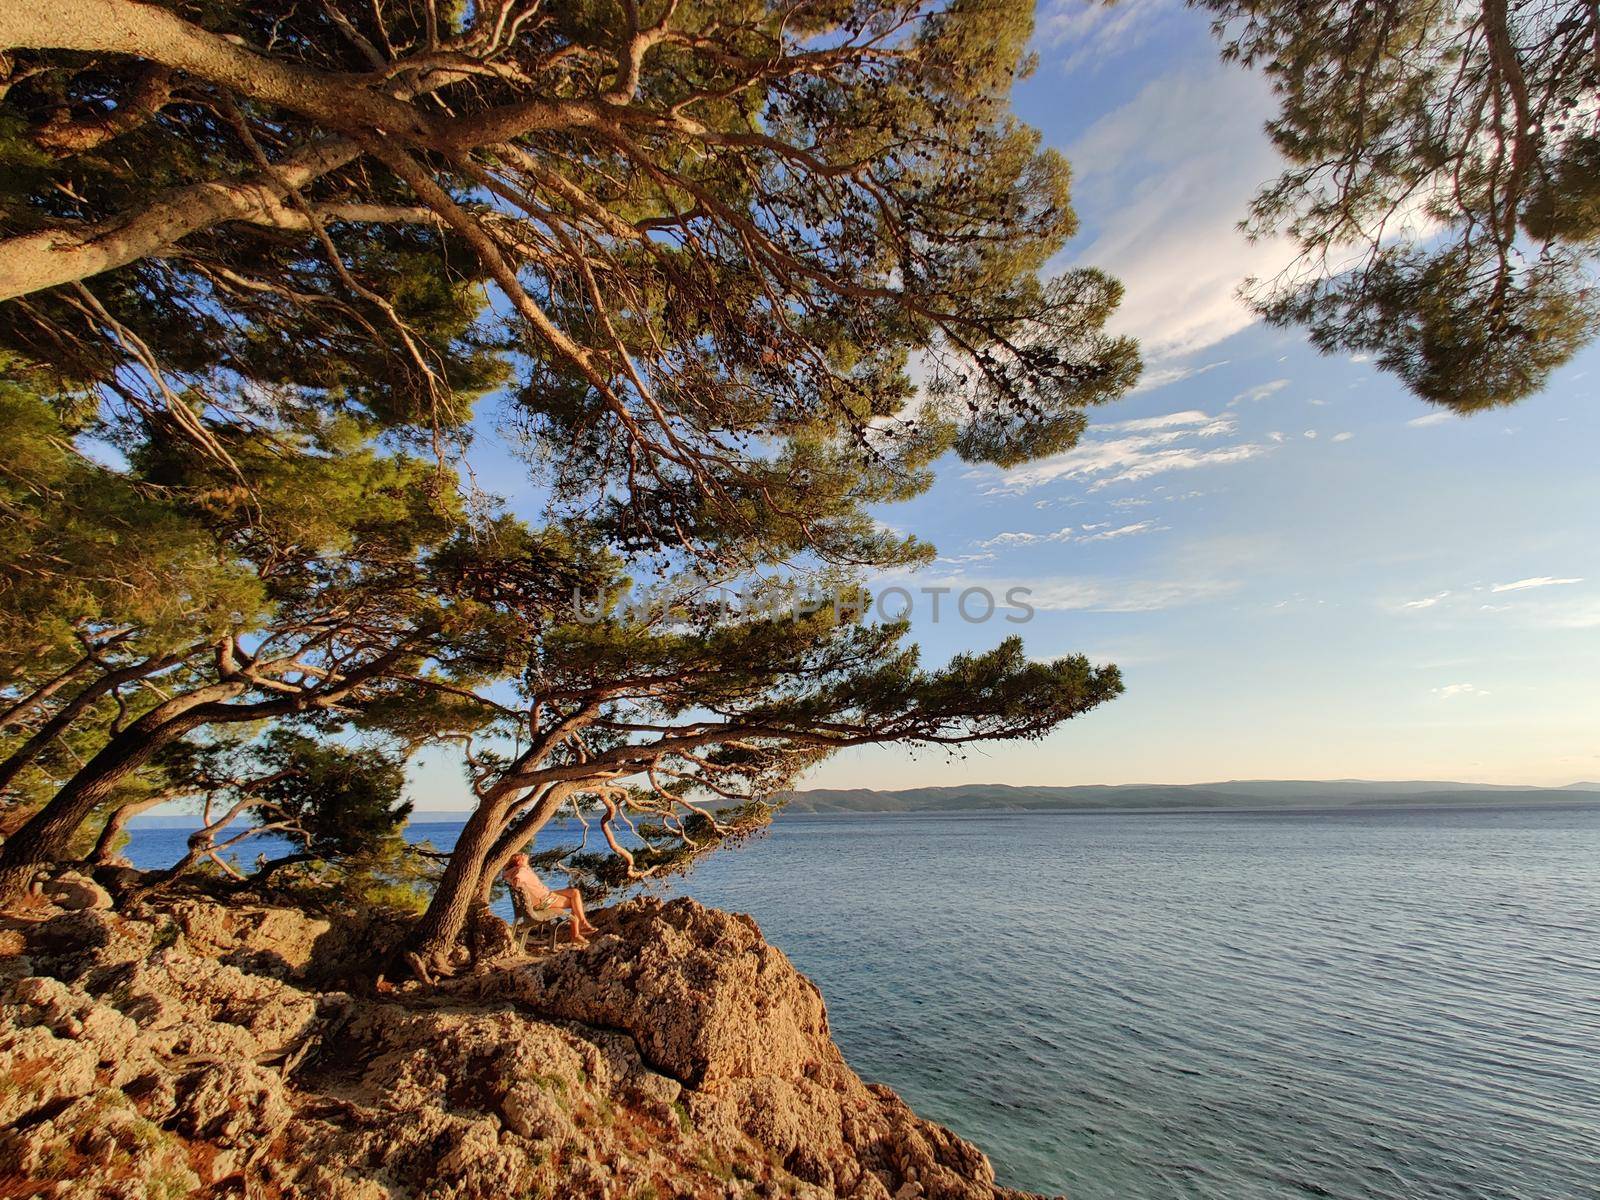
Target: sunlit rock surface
(185, 1052)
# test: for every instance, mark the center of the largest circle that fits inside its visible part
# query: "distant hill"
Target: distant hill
(1001, 797)
(1242, 793)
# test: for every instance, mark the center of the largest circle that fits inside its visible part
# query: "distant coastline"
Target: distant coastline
(1255, 795)
(1237, 794)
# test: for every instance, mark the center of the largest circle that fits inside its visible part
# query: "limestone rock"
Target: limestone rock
(701, 993)
(72, 891)
(275, 941)
(678, 1056)
(97, 1148)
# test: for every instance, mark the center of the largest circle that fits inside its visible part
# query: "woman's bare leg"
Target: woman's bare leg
(576, 897)
(571, 899)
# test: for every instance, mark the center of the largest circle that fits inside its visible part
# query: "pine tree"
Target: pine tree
(1443, 187)
(283, 250)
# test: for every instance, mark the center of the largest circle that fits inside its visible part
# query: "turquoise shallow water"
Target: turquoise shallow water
(1354, 1003)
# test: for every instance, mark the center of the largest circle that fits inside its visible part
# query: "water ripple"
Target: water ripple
(1354, 1005)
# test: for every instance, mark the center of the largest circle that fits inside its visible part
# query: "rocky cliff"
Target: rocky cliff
(199, 1050)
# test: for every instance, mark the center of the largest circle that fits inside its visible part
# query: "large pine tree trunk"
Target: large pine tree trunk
(48, 833)
(457, 897)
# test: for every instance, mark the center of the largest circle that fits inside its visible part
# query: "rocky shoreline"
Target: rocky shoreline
(192, 1048)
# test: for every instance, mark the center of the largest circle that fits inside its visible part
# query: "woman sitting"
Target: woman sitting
(532, 893)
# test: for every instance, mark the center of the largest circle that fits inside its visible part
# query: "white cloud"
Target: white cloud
(1163, 376)
(1433, 418)
(1426, 601)
(1311, 435)
(1019, 538)
(1123, 531)
(1128, 451)
(1084, 32)
(1098, 532)
(1538, 581)
(1259, 392)
(1451, 690)
(1162, 182)
(1108, 595)
(1212, 580)
(1190, 418)
(1343, 437)
(1546, 615)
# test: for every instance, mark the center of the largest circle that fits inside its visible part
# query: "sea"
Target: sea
(1374, 1002)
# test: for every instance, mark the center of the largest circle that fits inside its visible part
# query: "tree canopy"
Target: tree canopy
(374, 613)
(260, 265)
(720, 230)
(1443, 186)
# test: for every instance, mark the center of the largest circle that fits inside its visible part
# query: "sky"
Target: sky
(1303, 571)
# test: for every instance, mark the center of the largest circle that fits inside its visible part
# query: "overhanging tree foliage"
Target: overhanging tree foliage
(723, 227)
(274, 253)
(330, 801)
(1444, 185)
(163, 599)
(688, 712)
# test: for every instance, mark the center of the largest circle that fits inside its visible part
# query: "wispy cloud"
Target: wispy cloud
(1163, 376)
(1433, 418)
(1426, 601)
(1191, 418)
(1101, 532)
(1098, 595)
(1082, 32)
(1122, 531)
(1343, 437)
(1123, 596)
(1451, 691)
(1259, 392)
(1547, 615)
(1019, 538)
(1127, 451)
(1162, 182)
(1537, 581)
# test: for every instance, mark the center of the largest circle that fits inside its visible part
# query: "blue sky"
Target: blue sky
(1303, 571)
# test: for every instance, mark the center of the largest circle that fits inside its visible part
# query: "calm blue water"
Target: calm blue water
(1355, 1003)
